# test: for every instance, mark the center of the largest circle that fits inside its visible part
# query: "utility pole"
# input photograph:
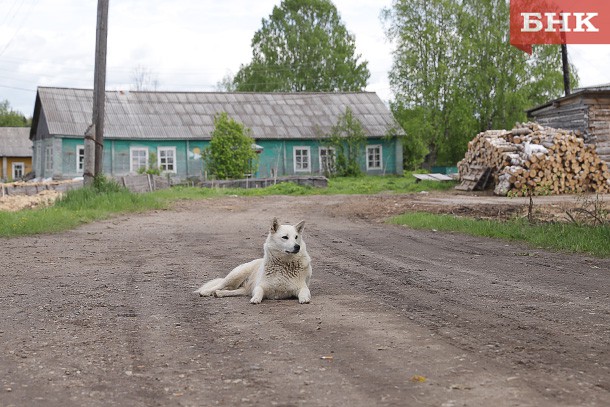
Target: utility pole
(94, 138)
(566, 69)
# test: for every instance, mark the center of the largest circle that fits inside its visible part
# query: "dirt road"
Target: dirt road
(105, 315)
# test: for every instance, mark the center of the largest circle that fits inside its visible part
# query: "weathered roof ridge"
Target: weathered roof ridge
(208, 92)
(605, 88)
(190, 115)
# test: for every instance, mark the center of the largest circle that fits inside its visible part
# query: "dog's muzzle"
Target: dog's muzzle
(295, 249)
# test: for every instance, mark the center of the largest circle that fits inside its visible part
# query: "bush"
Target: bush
(348, 139)
(230, 154)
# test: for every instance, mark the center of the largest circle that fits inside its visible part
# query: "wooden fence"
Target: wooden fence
(144, 182)
(33, 188)
(313, 181)
(148, 183)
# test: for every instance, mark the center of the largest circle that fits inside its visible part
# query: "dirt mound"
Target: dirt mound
(14, 203)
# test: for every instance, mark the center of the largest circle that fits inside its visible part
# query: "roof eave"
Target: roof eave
(577, 93)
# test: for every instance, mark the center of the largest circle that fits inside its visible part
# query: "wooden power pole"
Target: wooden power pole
(94, 137)
(566, 69)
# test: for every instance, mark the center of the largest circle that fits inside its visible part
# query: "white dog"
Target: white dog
(283, 272)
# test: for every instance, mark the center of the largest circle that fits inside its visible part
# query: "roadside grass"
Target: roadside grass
(75, 208)
(107, 199)
(91, 204)
(375, 185)
(563, 237)
(347, 185)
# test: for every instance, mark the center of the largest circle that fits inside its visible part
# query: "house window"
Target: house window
(138, 158)
(48, 158)
(80, 159)
(327, 160)
(302, 161)
(18, 170)
(374, 157)
(167, 159)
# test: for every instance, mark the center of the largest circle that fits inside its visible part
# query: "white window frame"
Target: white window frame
(48, 158)
(37, 158)
(80, 159)
(132, 150)
(16, 165)
(301, 168)
(333, 154)
(173, 157)
(371, 165)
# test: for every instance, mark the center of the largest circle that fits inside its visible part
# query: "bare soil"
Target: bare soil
(104, 315)
(15, 203)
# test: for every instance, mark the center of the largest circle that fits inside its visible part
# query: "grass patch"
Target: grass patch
(555, 236)
(106, 198)
(194, 193)
(75, 208)
(375, 185)
(336, 186)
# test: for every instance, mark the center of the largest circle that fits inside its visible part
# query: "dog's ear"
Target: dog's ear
(275, 225)
(300, 226)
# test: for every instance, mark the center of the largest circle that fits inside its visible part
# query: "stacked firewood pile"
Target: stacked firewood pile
(531, 159)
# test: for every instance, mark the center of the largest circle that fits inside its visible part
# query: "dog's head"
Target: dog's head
(285, 238)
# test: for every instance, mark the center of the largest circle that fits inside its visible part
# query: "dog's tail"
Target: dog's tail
(209, 287)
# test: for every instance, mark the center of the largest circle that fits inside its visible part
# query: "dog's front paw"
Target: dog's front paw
(304, 296)
(304, 300)
(257, 295)
(203, 293)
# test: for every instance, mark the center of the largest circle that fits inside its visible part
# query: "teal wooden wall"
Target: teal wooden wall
(280, 154)
(276, 154)
(117, 155)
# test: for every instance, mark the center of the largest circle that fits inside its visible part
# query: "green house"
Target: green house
(170, 130)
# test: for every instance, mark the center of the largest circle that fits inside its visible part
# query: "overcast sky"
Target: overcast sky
(190, 45)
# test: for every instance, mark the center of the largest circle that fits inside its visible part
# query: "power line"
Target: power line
(192, 71)
(7, 15)
(17, 88)
(8, 44)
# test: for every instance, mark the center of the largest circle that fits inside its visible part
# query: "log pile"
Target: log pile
(537, 160)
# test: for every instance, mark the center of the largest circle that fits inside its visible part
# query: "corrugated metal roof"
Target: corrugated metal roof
(190, 115)
(15, 142)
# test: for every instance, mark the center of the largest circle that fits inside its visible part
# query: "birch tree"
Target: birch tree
(455, 74)
(303, 47)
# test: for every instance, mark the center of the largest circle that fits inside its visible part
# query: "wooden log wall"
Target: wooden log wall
(599, 128)
(537, 159)
(571, 114)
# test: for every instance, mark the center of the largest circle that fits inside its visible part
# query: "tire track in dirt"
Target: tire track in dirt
(484, 322)
(426, 288)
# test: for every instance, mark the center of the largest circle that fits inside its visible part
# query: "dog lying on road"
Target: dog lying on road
(283, 272)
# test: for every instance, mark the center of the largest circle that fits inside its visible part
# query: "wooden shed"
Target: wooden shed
(586, 111)
(175, 127)
(15, 153)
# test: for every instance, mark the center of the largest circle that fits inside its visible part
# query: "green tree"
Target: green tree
(11, 118)
(303, 46)
(230, 154)
(424, 72)
(348, 139)
(226, 84)
(414, 143)
(455, 74)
